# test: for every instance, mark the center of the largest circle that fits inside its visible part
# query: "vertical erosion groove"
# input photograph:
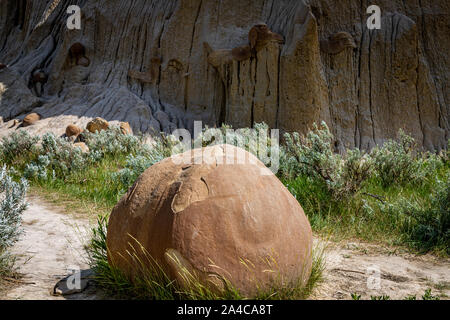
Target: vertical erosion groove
(186, 85)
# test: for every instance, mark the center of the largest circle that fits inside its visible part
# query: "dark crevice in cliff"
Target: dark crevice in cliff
(418, 104)
(370, 84)
(426, 49)
(356, 66)
(124, 29)
(278, 88)
(252, 110)
(186, 85)
(167, 20)
(223, 105)
(20, 13)
(358, 129)
(416, 85)
(142, 84)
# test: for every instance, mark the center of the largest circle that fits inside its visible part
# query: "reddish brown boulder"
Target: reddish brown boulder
(125, 128)
(211, 217)
(98, 124)
(2, 66)
(31, 119)
(73, 131)
(84, 148)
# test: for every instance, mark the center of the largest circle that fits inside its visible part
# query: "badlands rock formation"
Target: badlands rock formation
(210, 217)
(145, 62)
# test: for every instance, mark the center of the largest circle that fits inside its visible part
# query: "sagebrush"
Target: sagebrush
(12, 204)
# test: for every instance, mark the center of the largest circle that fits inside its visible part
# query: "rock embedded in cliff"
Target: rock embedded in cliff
(77, 52)
(241, 53)
(337, 42)
(210, 217)
(260, 36)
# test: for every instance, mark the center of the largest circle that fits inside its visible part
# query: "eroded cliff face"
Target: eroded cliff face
(150, 63)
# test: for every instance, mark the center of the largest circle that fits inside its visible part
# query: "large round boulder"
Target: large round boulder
(218, 217)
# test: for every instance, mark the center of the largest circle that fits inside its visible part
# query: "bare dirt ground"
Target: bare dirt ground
(53, 242)
(51, 245)
(373, 270)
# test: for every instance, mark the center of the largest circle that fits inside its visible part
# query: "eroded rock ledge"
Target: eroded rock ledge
(145, 62)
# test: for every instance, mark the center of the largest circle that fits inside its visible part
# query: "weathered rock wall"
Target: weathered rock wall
(148, 64)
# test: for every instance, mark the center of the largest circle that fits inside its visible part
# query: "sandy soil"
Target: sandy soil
(372, 270)
(51, 245)
(53, 242)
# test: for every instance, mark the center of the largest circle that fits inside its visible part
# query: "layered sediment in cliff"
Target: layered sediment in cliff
(161, 65)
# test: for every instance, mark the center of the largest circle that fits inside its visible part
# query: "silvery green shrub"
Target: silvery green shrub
(12, 204)
(34, 171)
(430, 163)
(146, 156)
(134, 167)
(112, 142)
(38, 170)
(430, 226)
(425, 224)
(397, 161)
(246, 138)
(58, 154)
(18, 145)
(313, 156)
(356, 169)
(445, 154)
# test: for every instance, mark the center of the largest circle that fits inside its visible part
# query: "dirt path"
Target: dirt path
(53, 242)
(51, 245)
(372, 270)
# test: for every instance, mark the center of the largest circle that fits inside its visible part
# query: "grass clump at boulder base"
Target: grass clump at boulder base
(395, 194)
